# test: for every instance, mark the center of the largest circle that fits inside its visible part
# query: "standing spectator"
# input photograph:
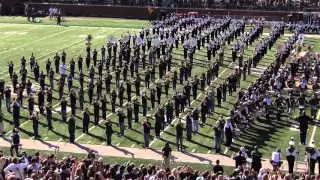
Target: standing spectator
(17, 168)
(256, 159)
(217, 169)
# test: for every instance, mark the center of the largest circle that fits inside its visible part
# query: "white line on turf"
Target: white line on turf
(118, 144)
(89, 142)
(209, 152)
(132, 145)
(314, 128)
(45, 138)
(225, 151)
(56, 51)
(36, 40)
(66, 99)
(21, 31)
(165, 129)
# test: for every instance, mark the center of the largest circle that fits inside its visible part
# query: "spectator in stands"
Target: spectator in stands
(16, 168)
(217, 169)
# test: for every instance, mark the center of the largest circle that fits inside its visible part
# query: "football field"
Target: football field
(44, 39)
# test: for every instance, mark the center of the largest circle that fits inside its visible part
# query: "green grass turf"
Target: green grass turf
(45, 41)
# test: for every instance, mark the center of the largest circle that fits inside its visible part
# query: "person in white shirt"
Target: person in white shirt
(17, 168)
(34, 166)
(267, 103)
(312, 153)
(276, 159)
(50, 13)
(62, 69)
(243, 152)
(303, 83)
(291, 154)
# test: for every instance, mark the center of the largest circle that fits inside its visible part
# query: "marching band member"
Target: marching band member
(291, 155)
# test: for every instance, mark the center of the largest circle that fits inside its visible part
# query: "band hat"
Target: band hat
(291, 143)
(312, 145)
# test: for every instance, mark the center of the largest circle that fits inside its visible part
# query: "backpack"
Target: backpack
(15, 139)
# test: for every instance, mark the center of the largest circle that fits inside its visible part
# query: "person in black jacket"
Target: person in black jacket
(121, 116)
(71, 128)
(85, 120)
(303, 120)
(219, 95)
(256, 159)
(109, 131)
(179, 135)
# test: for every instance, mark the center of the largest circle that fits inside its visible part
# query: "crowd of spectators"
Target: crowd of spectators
(92, 167)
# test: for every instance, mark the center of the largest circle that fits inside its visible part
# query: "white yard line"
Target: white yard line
(37, 40)
(225, 151)
(56, 51)
(314, 129)
(165, 129)
(66, 98)
(21, 31)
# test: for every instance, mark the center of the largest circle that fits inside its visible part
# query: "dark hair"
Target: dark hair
(96, 176)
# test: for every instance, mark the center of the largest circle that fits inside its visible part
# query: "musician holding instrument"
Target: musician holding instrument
(146, 132)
